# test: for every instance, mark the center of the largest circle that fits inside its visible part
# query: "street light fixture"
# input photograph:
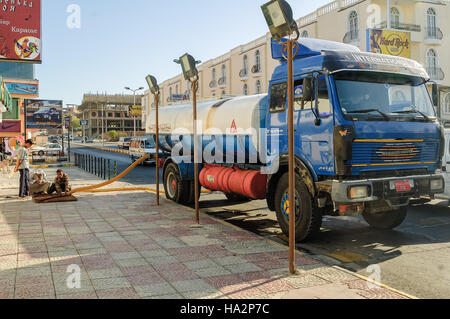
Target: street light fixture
(154, 88)
(134, 104)
(190, 72)
(281, 24)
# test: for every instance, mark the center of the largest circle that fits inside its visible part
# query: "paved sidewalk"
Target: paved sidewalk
(126, 247)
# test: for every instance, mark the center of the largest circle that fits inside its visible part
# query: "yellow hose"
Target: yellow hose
(115, 179)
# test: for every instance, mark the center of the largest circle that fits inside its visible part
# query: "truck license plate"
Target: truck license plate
(402, 186)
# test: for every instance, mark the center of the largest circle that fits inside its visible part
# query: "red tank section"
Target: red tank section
(248, 183)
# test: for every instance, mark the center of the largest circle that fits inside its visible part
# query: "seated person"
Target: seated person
(39, 185)
(61, 184)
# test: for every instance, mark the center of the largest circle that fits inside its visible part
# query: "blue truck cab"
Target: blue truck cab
(367, 139)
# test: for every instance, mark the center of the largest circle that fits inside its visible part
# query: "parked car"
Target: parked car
(139, 146)
(50, 149)
(50, 114)
(124, 143)
(446, 168)
(54, 139)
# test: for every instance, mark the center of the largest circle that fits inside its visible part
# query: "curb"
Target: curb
(53, 166)
(105, 149)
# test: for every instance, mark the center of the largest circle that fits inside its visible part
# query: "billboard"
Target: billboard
(23, 88)
(20, 31)
(8, 126)
(44, 114)
(389, 42)
(136, 110)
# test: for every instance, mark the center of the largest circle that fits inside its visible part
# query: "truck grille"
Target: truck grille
(368, 153)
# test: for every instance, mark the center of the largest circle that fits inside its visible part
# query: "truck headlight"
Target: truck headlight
(357, 192)
(437, 184)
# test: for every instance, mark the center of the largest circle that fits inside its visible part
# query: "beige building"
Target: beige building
(247, 69)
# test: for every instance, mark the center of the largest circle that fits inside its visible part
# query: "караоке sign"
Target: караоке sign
(20, 30)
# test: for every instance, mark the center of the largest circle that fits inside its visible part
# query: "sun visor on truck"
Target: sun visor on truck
(335, 61)
(310, 47)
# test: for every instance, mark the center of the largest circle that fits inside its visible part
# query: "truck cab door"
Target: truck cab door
(314, 122)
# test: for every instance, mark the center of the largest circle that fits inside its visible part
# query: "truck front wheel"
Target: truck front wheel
(176, 190)
(386, 220)
(308, 219)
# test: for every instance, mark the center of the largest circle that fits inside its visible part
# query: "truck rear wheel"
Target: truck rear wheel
(308, 219)
(386, 220)
(176, 190)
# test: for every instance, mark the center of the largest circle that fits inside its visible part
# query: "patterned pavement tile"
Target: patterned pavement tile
(172, 276)
(132, 262)
(81, 296)
(122, 293)
(155, 290)
(125, 255)
(161, 261)
(168, 297)
(306, 281)
(242, 268)
(137, 270)
(105, 273)
(230, 260)
(36, 280)
(110, 283)
(212, 272)
(33, 271)
(200, 264)
(193, 285)
(331, 274)
(146, 279)
(33, 291)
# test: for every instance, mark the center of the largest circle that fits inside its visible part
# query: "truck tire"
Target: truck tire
(190, 186)
(176, 190)
(386, 220)
(308, 218)
(235, 198)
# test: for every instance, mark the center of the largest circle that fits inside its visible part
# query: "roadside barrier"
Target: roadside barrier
(105, 149)
(98, 166)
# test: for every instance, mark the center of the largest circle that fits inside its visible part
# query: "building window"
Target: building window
(431, 24)
(245, 90)
(258, 87)
(353, 26)
(432, 63)
(176, 89)
(244, 71)
(170, 94)
(213, 74)
(395, 18)
(257, 62)
(305, 34)
(447, 103)
(223, 79)
(94, 114)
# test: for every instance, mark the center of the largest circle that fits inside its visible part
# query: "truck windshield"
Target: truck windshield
(383, 97)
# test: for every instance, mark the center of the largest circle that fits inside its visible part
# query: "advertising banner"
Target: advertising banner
(389, 42)
(22, 88)
(44, 114)
(7, 126)
(136, 110)
(84, 122)
(20, 31)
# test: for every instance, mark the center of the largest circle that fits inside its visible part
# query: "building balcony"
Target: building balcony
(433, 36)
(222, 82)
(213, 84)
(256, 70)
(400, 26)
(436, 74)
(352, 37)
(243, 74)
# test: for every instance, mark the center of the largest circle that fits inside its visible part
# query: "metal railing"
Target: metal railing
(433, 34)
(243, 73)
(400, 26)
(351, 37)
(213, 84)
(98, 166)
(256, 69)
(436, 73)
(222, 81)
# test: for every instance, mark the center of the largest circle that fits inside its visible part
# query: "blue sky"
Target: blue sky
(120, 42)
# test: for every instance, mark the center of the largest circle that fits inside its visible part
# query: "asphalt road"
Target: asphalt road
(415, 258)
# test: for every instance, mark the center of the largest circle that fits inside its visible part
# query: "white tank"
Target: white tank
(236, 116)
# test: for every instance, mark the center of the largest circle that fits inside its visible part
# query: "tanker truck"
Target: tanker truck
(367, 140)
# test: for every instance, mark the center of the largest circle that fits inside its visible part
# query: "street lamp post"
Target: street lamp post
(134, 104)
(190, 72)
(154, 88)
(279, 18)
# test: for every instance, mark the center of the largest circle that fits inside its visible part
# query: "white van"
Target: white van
(141, 145)
(446, 167)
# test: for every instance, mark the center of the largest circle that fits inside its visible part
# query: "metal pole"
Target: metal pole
(292, 208)
(134, 117)
(196, 186)
(157, 147)
(388, 17)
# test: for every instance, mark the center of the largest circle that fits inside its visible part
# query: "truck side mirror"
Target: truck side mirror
(435, 95)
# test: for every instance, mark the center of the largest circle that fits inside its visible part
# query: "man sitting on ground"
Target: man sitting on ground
(61, 185)
(40, 184)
